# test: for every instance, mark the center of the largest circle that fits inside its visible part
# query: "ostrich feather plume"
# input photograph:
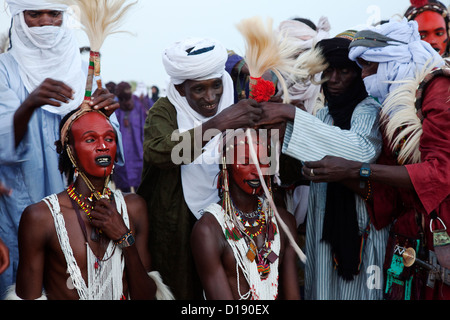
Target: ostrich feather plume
(399, 117)
(100, 18)
(266, 50)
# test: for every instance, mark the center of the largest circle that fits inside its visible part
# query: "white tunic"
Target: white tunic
(104, 276)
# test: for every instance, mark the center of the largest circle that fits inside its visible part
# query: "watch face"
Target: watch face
(130, 240)
(365, 172)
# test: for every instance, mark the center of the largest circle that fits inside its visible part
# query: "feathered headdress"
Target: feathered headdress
(267, 50)
(99, 19)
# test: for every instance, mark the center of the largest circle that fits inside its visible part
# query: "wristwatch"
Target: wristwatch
(126, 240)
(364, 174)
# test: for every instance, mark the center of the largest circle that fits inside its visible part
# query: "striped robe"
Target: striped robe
(311, 138)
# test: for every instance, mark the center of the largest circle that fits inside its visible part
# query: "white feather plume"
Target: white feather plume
(100, 18)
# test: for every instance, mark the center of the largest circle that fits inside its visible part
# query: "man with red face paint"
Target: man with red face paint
(42, 78)
(99, 249)
(434, 23)
(239, 250)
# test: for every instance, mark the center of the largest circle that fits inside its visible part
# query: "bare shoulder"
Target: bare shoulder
(37, 220)
(36, 213)
(289, 220)
(207, 225)
(287, 217)
(137, 209)
(207, 232)
(134, 201)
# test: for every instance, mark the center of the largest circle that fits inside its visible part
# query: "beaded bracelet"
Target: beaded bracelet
(369, 192)
(122, 239)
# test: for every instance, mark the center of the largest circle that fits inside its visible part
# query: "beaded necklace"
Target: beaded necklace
(250, 219)
(84, 202)
(235, 229)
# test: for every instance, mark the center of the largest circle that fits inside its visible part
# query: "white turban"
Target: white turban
(17, 6)
(399, 58)
(198, 59)
(195, 59)
(303, 36)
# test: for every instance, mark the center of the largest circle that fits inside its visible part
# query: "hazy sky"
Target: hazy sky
(155, 24)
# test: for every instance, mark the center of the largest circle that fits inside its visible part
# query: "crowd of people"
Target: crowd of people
(334, 187)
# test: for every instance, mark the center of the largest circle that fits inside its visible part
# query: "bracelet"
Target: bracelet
(369, 192)
(123, 238)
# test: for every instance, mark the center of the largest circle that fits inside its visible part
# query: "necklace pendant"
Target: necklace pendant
(252, 252)
(104, 196)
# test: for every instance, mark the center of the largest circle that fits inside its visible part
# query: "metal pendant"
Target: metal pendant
(441, 244)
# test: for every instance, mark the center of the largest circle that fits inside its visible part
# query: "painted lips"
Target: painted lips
(103, 161)
(255, 183)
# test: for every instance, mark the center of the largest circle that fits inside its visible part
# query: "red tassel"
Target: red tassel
(261, 90)
(419, 3)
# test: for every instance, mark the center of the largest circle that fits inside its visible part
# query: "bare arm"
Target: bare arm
(288, 278)
(336, 169)
(33, 238)
(207, 254)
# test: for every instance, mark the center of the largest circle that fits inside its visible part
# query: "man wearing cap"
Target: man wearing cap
(42, 79)
(180, 153)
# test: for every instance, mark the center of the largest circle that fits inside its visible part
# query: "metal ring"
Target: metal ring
(431, 224)
(312, 173)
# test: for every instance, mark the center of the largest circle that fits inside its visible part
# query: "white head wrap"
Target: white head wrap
(46, 52)
(195, 59)
(397, 60)
(17, 6)
(304, 38)
(198, 59)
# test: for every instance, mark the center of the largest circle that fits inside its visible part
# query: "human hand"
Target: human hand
(106, 218)
(4, 257)
(244, 114)
(49, 92)
(104, 101)
(331, 169)
(274, 112)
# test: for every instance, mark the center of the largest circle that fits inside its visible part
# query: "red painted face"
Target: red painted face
(243, 170)
(94, 144)
(432, 30)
